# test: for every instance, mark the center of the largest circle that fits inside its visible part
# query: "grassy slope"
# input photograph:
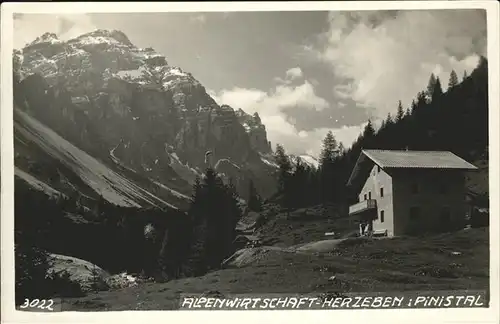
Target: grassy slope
(304, 226)
(396, 264)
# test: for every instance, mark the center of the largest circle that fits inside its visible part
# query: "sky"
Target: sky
(305, 73)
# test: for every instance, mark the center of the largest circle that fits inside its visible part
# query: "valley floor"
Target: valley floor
(443, 262)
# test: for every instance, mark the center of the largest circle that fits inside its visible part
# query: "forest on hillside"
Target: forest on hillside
(455, 120)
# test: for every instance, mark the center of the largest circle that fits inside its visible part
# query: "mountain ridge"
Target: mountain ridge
(130, 109)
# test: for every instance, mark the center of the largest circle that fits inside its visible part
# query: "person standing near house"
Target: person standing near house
(362, 228)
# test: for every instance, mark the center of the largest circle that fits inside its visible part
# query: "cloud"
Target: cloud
(27, 27)
(294, 73)
(291, 75)
(312, 140)
(272, 107)
(379, 58)
(279, 99)
(243, 98)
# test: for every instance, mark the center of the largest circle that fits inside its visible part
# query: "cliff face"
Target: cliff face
(128, 108)
(255, 130)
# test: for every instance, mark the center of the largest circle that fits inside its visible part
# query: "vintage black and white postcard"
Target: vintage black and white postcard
(273, 161)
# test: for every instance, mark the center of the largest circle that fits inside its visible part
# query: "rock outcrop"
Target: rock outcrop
(255, 130)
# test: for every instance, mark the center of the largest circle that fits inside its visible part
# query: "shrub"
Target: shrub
(35, 280)
(31, 266)
(98, 283)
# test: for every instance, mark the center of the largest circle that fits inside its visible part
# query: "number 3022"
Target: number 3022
(45, 304)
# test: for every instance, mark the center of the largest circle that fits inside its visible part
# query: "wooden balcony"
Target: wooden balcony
(363, 206)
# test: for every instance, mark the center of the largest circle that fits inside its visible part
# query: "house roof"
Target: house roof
(418, 159)
(409, 160)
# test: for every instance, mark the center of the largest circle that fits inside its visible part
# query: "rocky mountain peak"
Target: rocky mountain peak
(306, 159)
(50, 38)
(117, 35)
(115, 100)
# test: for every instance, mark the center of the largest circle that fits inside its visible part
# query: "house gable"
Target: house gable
(361, 172)
(378, 186)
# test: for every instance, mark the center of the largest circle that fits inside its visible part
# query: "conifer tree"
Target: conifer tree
(298, 187)
(328, 154)
(438, 90)
(400, 112)
(382, 125)
(215, 212)
(285, 167)
(388, 119)
(421, 100)
(329, 149)
(196, 263)
(431, 85)
(453, 82)
(341, 149)
(368, 134)
(413, 106)
(212, 201)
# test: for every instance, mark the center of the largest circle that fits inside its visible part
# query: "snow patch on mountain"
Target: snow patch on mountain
(177, 71)
(132, 74)
(248, 129)
(304, 158)
(47, 38)
(268, 160)
(309, 160)
(88, 40)
(186, 172)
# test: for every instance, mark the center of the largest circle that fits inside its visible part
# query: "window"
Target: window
(414, 188)
(381, 216)
(381, 192)
(378, 169)
(414, 213)
(369, 195)
(443, 189)
(365, 196)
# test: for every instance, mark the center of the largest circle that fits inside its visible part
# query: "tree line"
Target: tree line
(455, 120)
